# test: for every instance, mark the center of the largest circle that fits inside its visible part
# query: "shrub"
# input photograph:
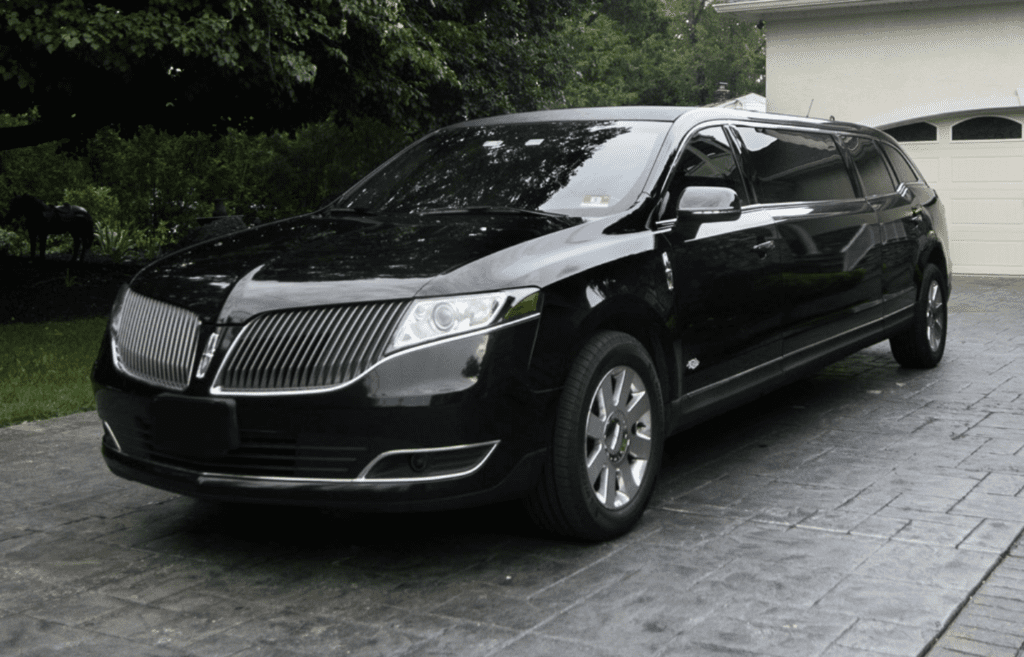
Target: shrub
(101, 203)
(149, 189)
(13, 243)
(114, 240)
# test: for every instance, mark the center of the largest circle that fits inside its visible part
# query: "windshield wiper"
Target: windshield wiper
(491, 209)
(362, 212)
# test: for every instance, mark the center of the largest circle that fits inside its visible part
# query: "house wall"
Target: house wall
(881, 68)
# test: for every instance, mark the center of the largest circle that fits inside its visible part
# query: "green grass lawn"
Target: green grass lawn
(44, 368)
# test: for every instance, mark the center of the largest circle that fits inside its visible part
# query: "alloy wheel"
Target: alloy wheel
(935, 318)
(618, 437)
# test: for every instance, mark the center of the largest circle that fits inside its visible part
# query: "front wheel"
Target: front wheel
(607, 442)
(922, 344)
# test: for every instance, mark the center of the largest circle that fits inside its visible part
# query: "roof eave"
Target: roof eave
(756, 10)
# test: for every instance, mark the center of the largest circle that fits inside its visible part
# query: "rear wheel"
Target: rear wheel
(607, 442)
(922, 344)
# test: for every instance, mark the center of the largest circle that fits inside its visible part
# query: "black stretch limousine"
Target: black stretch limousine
(523, 306)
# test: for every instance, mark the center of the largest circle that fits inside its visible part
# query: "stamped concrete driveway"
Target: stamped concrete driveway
(851, 514)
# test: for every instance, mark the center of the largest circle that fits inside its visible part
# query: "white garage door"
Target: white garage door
(977, 164)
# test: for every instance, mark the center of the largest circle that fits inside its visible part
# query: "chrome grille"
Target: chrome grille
(155, 342)
(308, 349)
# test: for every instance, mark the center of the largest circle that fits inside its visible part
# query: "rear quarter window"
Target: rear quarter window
(874, 174)
(904, 171)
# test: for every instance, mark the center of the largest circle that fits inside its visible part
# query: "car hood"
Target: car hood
(317, 260)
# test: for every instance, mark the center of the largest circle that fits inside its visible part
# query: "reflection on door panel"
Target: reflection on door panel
(896, 218)
(829, 255)
(723, 275)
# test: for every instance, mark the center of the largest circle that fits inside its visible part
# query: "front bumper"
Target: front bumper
(452, 424)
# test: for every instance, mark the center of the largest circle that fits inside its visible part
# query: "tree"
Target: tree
(660, 52)
(185, 65)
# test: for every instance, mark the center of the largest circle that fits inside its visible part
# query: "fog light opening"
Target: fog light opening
(428, 464)
(418, 463)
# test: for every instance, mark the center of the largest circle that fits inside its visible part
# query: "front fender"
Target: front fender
(630, 295)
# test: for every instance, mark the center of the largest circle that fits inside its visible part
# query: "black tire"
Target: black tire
(922, 344)
(596, 483)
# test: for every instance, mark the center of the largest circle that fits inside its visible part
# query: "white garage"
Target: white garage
(976, 162)
(947, 76)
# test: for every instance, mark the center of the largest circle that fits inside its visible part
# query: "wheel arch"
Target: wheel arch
(570, 321)
(935, 254)
(631, 316)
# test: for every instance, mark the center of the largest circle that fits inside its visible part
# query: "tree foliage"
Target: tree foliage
(186, 65)
(275, 105)
(660, 52)
(153, 185)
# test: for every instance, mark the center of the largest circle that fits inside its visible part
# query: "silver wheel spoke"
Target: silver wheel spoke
(630, 485)
(603, 397)
(595, 427)
(606, 486)
(640, 447)
(638, 411)
(623, 383)
(597, 462)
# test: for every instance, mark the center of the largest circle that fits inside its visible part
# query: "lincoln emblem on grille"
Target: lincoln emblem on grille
(204, 362)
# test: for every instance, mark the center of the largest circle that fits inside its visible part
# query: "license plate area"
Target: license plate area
(196, 427)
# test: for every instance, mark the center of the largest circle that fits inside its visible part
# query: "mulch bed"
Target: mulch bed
(58, 290)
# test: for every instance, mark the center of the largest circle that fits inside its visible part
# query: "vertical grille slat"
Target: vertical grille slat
(333, 363)
(306, 358)
(347, 361)
(156, 342)
(317, 374)
(292, 369)
(308, 349)
(274, 366)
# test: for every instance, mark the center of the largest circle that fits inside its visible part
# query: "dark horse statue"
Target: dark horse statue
(43, 220)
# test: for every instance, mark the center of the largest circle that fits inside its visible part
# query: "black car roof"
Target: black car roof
(669, 114)
(628, 113)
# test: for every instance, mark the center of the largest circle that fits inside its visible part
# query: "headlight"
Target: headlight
(442, 317)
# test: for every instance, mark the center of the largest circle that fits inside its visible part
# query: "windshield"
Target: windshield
(576, 168)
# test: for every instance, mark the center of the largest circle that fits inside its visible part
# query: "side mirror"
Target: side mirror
(702, 204)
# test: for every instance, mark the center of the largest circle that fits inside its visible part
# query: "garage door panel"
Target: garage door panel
(979, 257)
(929, 167)
(988, 169)
(971, 210)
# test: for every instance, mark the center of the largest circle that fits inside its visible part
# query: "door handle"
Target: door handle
(764, 247)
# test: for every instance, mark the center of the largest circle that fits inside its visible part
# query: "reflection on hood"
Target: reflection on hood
(317, 249)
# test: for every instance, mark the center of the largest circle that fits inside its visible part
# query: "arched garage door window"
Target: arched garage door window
(920, 131)
(986, 127)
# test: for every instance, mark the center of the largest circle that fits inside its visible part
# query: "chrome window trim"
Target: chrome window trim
(219, 391)
(661, 226)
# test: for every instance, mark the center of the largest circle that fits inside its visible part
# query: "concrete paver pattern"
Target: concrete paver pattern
(855, 513)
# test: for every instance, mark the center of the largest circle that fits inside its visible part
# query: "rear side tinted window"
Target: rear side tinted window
(787, 166)
(874, 175)
(904, 172)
